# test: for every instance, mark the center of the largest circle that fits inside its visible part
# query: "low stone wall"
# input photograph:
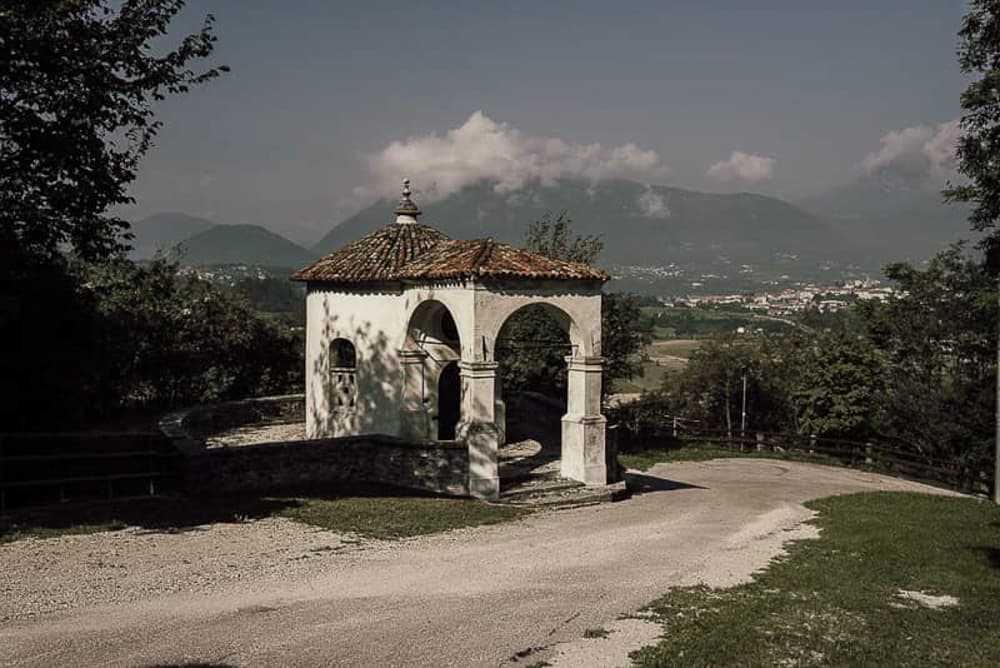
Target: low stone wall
(199, 422)
(440, 467)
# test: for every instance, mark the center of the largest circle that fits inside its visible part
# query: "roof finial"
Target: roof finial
(406, 211)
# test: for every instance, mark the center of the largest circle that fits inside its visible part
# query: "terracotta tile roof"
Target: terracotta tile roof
(491, 259)
(379, 256)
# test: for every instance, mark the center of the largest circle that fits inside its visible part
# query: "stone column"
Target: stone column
(583, 425)
(413, 420)
(478, 427)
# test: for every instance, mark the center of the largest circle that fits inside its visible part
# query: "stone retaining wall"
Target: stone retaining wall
(440, 467)
(436, 466)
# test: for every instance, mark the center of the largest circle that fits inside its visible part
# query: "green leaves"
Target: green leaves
(77, 83)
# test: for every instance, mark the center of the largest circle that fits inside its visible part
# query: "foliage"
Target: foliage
(709, 391)
(979, 146)
(532, 346)
(937, 339)
(621, 336)
(115, 336)
(838, 600)
(839, 376)
(553, 237)
(77, 83)
(170, 339)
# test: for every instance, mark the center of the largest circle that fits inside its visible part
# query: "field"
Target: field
(894, 579)
(661, 357)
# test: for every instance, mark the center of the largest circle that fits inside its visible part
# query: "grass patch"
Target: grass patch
(835, 601)
(376, 511)
(643, 460)
(392, 517)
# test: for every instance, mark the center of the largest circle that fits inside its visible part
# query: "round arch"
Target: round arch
(579, 341)
(431, 322)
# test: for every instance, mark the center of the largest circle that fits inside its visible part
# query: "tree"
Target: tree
(840, 378)
(978, 150)
(78, 79)
(531, 347)
(936, 339)
(78, 84)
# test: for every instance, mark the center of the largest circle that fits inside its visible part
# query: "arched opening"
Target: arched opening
(449, 401)
(432, 392)
(531, 350)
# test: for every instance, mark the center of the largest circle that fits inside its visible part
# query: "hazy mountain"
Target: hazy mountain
(891, 217)
(243, 244)
(163, 231)
(640, 224)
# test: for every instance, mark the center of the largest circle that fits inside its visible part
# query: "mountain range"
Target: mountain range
(869, 222)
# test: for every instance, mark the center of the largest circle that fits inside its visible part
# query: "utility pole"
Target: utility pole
(743, 419)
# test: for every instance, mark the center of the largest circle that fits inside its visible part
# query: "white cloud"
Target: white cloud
(483, 149)
(652, 204)
(745, 167)
(920, 150)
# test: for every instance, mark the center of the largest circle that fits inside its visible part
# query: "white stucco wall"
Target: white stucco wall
(371, 321)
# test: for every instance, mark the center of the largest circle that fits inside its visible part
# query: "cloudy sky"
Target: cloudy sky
(329, 104)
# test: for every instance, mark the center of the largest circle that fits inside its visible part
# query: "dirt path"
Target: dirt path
(283, 594)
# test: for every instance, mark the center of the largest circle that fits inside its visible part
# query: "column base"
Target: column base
(483, 441)
(583, 449)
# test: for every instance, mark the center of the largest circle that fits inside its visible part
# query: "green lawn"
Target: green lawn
(368, 510)
(836, 601)
(675, 347)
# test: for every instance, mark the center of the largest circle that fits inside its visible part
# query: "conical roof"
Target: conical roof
(486, 258)
(379, 256)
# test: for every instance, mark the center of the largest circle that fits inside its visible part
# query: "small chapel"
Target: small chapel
(401, 329)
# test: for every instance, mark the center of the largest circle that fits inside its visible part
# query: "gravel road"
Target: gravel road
(273, 592)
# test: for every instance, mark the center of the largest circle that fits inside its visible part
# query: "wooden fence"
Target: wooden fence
(898, 459)
(38, 468)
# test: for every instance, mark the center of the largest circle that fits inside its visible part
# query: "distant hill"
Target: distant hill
(163, 231)
(889, 217)
(242, 244)
(640, 224)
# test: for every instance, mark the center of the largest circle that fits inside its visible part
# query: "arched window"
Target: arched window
(343, 374)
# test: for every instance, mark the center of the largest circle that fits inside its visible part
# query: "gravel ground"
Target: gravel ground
(41, 576)
(274, 593)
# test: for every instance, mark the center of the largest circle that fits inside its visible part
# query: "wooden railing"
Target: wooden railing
(880, 456)
(38, 468)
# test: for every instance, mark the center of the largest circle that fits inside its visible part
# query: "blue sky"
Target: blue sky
(296, 136)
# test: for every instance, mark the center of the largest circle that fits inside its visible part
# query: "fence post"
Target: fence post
(868, 452)
(760, 442)
(812, 444)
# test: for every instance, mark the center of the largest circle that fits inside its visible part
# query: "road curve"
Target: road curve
(475, 597)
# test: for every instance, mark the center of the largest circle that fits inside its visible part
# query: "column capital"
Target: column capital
(411, 356)
(584, 363)
(478, 369)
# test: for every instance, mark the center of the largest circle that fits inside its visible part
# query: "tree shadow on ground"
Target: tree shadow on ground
(991, 555)
(640, 483)
(180, 513)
